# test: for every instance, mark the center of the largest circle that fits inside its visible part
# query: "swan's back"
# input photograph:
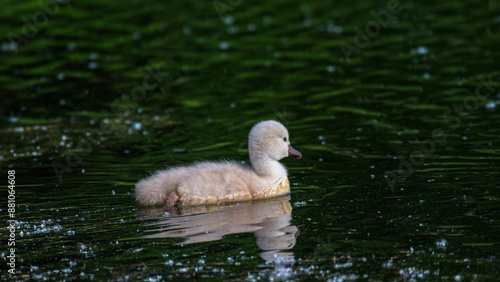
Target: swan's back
(202, 183)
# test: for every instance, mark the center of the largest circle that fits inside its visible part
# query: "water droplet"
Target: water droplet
(441, 244)
(251, 27)
(9, 46)
(93, 65)
(186, 30)
(13, 119)
(224, 45)
(491, 105)
(422, 50)
(228, 20)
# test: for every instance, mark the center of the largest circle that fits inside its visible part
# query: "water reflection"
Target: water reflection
(268, 219)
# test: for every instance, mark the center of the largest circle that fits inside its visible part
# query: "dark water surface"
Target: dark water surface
(395, 107)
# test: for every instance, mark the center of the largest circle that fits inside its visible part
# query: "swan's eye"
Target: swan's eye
(284, 139)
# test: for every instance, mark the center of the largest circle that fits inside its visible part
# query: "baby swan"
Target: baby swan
(221, 182)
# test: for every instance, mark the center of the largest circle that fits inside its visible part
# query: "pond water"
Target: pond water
(394, 105)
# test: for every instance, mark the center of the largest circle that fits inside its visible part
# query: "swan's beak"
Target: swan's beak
(294, 153)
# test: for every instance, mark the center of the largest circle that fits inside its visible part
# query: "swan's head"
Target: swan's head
(270, 139)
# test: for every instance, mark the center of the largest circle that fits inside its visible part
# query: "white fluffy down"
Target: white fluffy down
(268, 143)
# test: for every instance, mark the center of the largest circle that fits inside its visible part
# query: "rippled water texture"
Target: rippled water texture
(395, 107)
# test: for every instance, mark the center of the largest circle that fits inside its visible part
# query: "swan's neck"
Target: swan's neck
(268, 167)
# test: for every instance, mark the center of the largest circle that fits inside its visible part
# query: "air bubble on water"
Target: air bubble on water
(9, 46)
(251, 27)
(299, 204)
(186, 30)
(169, 262)
(137, 126)
(228, 20)
(232, 29)
(491, 105)
(224, 45)
(422, 50)
(93, 65)
(441, 244)
(13, 119)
